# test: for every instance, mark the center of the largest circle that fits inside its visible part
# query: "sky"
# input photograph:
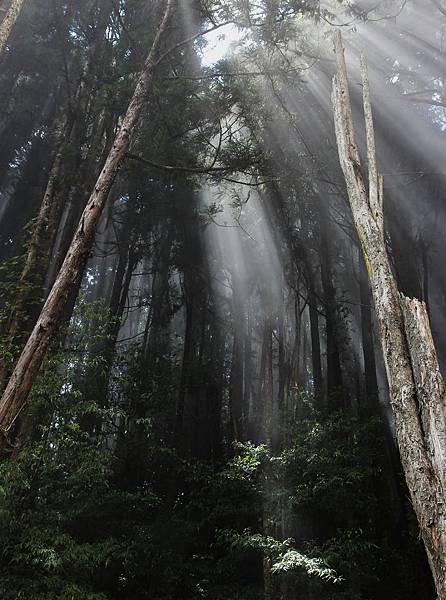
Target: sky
(219, 43)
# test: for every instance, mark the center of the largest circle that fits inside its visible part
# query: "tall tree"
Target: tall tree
(417, 389)
(28, 365)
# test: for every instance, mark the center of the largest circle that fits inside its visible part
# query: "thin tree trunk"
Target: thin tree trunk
(28, 365)
(267, 380)
(8, 23)
(236, 382)
(294, 378)
(417, 390)
(315, 344)
(251, 427)
(76, 198)
(284, 355)
(18, 321)
(334, 373)
(267, 393)
(215, 390)
(185, 376)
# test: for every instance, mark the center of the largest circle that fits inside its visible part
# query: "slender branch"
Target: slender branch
(192, 38)
(375, 181)
(199, 171)
(438, 5)
(176, 168)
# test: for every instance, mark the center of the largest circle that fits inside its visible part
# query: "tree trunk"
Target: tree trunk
(215, 390)
(236, 382)
(185, 376)
(315, 344)
(284, 355)
(267, 395)
(249, 388)
(368, 351)
(28, 365)
(19, 317)
(267, 379)
(8, 23)
(334, 373)
(417, 390)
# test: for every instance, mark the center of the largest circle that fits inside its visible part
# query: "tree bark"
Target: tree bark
(417, 390)
(28, 365)
(368, 351)
(8, 23)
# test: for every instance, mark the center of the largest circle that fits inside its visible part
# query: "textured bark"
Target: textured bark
(368, 351)
(431, 392)
(8, 23)
(28, 365)
(416, 387)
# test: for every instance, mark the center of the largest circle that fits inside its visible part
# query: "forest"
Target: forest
(222, 312)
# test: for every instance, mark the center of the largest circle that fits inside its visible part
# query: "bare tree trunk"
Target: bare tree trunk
(267, 378)
(8, 23)
(334, 372)
(184, 379)
(267, 394)
(251, 429)
(417, 389)
(236, 382)
(315, 344)
(284, 354)
(215, 391)
(28, 365)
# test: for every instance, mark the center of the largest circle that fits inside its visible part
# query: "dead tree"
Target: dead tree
(417, 389)
(27, 367)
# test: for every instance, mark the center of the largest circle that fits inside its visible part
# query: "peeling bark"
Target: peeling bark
(417, 390)
(431, 391)
(8, 23)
